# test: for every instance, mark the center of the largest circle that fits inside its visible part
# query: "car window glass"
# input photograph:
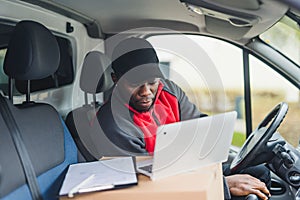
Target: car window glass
(213, 54)
(284, 36)
(3, 77)
(63, 76)
(268, 88)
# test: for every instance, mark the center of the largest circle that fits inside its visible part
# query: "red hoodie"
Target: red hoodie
(134, 132)
(165, 110)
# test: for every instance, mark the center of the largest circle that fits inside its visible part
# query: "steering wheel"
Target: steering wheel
(256, 143)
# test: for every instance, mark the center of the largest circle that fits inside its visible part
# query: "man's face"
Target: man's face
(142, 95)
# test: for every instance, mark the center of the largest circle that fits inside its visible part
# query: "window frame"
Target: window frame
(66, 67)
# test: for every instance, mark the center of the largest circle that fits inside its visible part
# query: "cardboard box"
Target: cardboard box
(203, 184)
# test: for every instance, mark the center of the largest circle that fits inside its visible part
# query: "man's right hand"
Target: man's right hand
(244, 184)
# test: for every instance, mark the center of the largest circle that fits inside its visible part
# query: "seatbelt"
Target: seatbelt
(21, 149)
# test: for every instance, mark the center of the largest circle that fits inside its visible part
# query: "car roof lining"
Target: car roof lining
(92, 26)
(102, 17)
(249, 4)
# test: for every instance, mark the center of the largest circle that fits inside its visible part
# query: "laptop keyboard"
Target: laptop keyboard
(147, 168)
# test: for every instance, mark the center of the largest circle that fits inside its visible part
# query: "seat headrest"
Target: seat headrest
(96, 73)
(32, 53)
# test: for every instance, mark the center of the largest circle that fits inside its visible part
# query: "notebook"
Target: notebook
(189, 145)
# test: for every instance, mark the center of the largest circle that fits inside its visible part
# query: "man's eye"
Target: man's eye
(152, 83)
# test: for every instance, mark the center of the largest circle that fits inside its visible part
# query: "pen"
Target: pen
(96, 188)
(77, 187)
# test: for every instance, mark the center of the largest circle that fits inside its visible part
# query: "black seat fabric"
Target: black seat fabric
(33, 53)
(95, 73)
(82, 122)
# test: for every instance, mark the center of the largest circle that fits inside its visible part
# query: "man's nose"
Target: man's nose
(145, 90)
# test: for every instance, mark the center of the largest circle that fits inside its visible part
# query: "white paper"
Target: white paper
(117, 171)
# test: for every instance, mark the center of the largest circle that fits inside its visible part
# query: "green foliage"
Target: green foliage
(238, 139)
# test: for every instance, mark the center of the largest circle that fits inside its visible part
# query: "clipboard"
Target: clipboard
(99, 176)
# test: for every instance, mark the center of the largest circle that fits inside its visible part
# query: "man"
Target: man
(142, 100)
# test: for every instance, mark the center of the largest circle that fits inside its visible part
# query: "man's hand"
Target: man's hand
(244, 184)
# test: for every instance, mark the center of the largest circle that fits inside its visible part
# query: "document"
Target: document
(99, 175)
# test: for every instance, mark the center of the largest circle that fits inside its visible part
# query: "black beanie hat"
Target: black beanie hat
(135, 60)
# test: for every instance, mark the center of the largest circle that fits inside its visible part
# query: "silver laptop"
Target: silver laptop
(188, 145)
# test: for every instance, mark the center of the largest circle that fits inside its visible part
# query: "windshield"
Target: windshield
(284, 36)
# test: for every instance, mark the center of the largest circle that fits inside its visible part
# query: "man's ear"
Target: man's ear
(114, 77)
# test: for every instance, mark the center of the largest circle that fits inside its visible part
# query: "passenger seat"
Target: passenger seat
(33, 53)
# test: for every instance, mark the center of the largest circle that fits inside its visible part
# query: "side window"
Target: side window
(196, 62)
(210, 72)
(3, 77)
(63, 76)
(268, 88)
(165, 68)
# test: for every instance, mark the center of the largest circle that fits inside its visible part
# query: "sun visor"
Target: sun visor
(225, 28)
(225, 20)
